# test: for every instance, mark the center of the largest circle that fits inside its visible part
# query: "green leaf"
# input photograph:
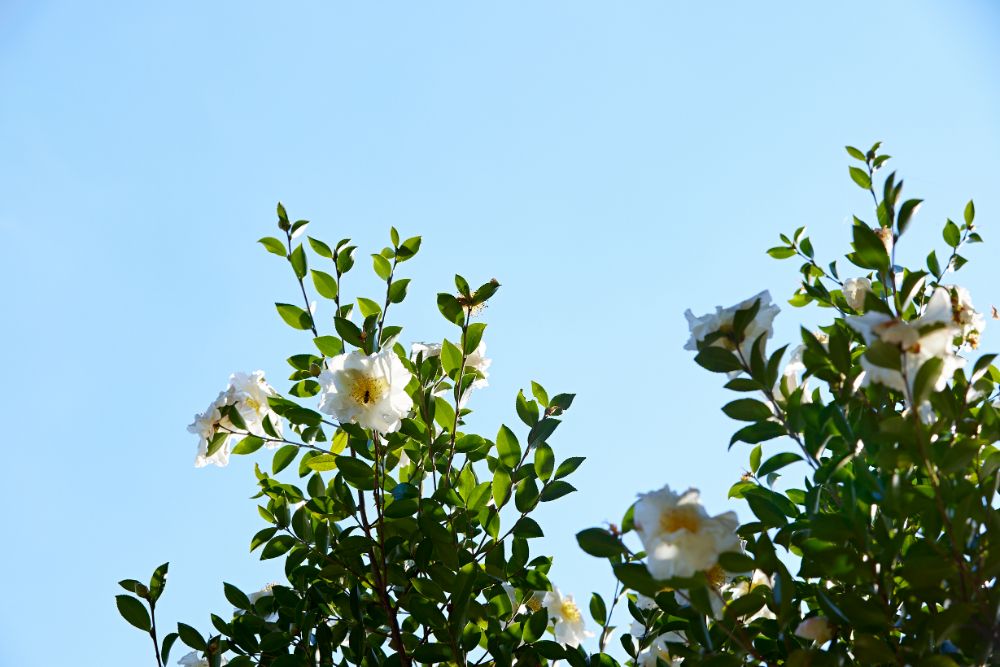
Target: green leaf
(383, 269)
(736, 562)
(970, 213)
(907, 211)
(526, 410)
(451, 308)
(236, 597)
(298, 261)
(952, 236)
(368, 307)
(158, 581)
(473, 336)
(555, 490)
(408, 248)
(855, 153)
(932, 264)
(323, 463)
(598, 610)
(860, 176)
(294, 316)
(277, 546)
(325, 284)
(190, 636)
(527, 528)
(357, 473)
(781, 252)
(544, 462)
(566, 467)
(451, 357)
(755, 455)
(777, 462)
(330, 346)
(283, 457)
(869, 251)
(508, 448)
(345, 259)
(884, 355)
(248, 445)
(759, 432)
(168, 643)
(541, 431)
(133, 611)
(599, 542)
(538, 391)
(348, 330)
(320, 248)
(273, 245)
(397, 290)
(718, 360)
(748, 410)
(501, 487)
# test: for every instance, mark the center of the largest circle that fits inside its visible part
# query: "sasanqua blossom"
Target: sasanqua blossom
(855, 290)
(368, 390)
(194, 659)
(722, 321)
(816, 628)
(658, 650)
(679, 536)
(248, 394)
(569, 626)
(930, 335)
(970, 321)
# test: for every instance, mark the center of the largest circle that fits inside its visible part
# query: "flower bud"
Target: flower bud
(885, 234)
(855, 290)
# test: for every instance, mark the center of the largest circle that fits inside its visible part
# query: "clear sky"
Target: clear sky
(610, 163)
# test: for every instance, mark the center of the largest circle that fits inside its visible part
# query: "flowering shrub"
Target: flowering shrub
(408, 539)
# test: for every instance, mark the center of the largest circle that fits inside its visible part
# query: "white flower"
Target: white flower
(569, 626)
(816, 628)
(964, 316)
(855, 290)
(722, 320)
(679, 536)
(369, 390)
(645, 603)
(658, 649)
(930, 335)
(427, 349)
(478, 361)
(744, 586)
(789, 381)
(194, 659)
(249, 394)
(205, 426)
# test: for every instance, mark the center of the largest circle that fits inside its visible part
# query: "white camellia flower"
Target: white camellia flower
(427, 349)
(930, 335)
(816, 628)
(478, 361)
(569, 626)
(368, 390)
(965, 316)
(646, 603)
(855, 290)
(789, 381)
(659, 650)
(267, 591)
(740, 588)
(194, 659)
(722, 320)
(679, 536)
(205, 426)
(248, 393)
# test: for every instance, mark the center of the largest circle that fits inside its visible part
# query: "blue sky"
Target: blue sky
(610, 163)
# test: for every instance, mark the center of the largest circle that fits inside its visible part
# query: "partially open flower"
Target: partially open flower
(248, 394)
(658, 650)
(855, 290)
(721, 322)
(679, 536)
(195, 659)
(368, 390)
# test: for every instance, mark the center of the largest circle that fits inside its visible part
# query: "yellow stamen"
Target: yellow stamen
(569, 611)
(683, 517)
(716, 576)
(253, 404)
(368, 390)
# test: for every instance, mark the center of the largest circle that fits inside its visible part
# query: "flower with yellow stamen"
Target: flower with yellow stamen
(368, 390)
(679, 536)
(569, 627)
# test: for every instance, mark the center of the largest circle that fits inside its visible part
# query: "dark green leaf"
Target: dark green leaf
(133, 611)
(294, 316)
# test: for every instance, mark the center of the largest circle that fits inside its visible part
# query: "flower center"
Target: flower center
(569, 611)
(716, 576)
(679, 518)
(368, 390)
(252, 404)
